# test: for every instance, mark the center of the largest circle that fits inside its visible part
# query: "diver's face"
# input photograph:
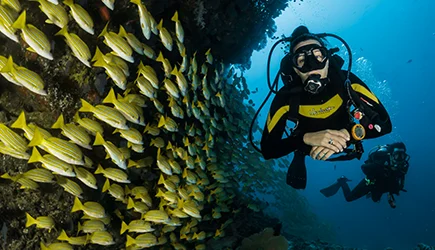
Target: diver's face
(322, 72)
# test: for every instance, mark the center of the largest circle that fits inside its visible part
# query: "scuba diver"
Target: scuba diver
(317, 98)
(385, 171)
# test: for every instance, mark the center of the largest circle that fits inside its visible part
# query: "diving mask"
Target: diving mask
(310, 57)
(399, 159)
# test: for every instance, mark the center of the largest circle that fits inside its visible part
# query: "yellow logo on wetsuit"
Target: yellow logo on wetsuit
(323, 110)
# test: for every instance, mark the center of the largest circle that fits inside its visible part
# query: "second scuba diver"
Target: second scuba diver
(385, 171)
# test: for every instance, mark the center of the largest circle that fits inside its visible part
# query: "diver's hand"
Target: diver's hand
(324, 137)
(321, 153)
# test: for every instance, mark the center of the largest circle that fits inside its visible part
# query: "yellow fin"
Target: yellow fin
(106, 185)
(175, 17)
(20, 122)
(99, 140)
(20, 23)
(30, 220)
(130, 241)
(110, 98)
(104, 30)
(99, 170)
(37, 139)
(36, 156)
(59, 123)
(86, 106)
(77, 206)
(122, 31)
(63, 236)
(124, 227)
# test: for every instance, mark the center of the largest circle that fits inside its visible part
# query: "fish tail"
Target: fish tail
(127, 190)
(175, 71)
(79, 228)
(6, 176)
(98, 55)
(63, 31)
(59, 123)
(106, 185)
(138, 2)
(86, 107)
(130, 203)
(100, 169)
(77, 205)
(36, 156)
(131, 163)
(160, 57)
(99, 140)
(68, 2)
(9, 67)
(77, 117)
(124, 227)
(20, 23)
(111, 98)
(122, 31)
(104, 30)
(161, 180)
(63, 236)
(160, 25)
(175, 17)
(20, 122)
(161, 121)
(30, 220)
(130, 241)
(37, 139)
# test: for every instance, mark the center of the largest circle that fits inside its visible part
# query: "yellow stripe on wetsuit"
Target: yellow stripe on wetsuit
(362, 90)
(321, 111)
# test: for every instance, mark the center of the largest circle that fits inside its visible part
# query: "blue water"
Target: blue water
(384, 36)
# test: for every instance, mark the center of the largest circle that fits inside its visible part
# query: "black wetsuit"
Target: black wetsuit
(381, 176)
(326, 110)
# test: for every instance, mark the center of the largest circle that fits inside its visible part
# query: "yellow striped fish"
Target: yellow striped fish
(86, 177)
(52, 163)
(55, 12)
(90, 208)
(79, 240)
(148, 52)
(112, 70)
(145, 22)
(138, 206)
(166, 64)
(117, 156)
(91, 226)
(165, 36)
(81, 16)
(26, 78)
(12, 139)
(40, 222)
(179, 31)
(115, 190)
(77, 134)
(25, 183)
(129, 111)
(136, 226)
(107, 114)
(113, 173)
(6, 21)
(70, 186)
(145, 87)
(79, 48)
(90, 125)
(156, 216)
(132, 40)
(181, 80)
(7, 75)
(149, 73)
(101, 238)
(119, 46)
(64, 150)
(35, 38)
(39, 175)
(171, 88)
(7, 150)
(131, 135)
(142, 240)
